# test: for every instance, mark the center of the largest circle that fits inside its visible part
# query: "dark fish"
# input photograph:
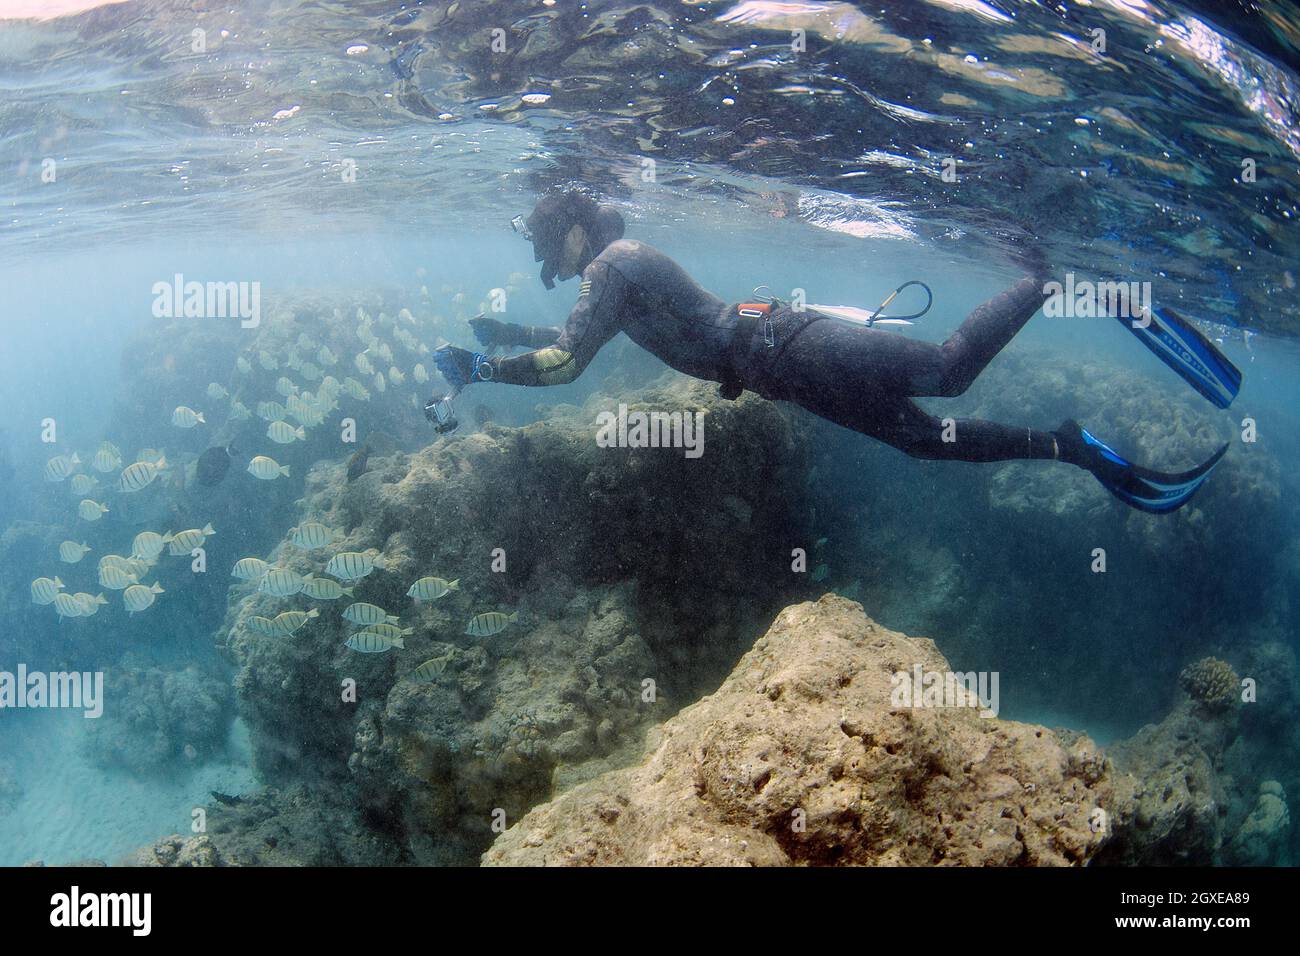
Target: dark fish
(226, 799)
(357, 463)
(211, 468)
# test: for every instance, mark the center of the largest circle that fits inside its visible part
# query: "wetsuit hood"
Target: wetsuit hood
(562, 249)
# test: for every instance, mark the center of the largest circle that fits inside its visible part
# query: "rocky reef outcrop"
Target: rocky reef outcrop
(803, 757)
(158, 718)
(639, 576)
(291, 826)
(800, 758)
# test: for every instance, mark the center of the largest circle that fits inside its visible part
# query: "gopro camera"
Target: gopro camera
(441, 414)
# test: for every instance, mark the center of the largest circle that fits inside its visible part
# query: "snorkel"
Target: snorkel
(568, 229)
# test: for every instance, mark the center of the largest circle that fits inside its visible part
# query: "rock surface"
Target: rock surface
(799, 758)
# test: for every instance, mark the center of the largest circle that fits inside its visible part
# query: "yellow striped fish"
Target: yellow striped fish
(430, 669)
(186, 417)
(67, 605)
(148, 545)
(116, 578)
(127, 565)
(106, 459)
(249, 569)
(82, 484)
(368, 642)
(312, 535)
(245, 367)
(140, 475)
(489, 623)
(89, 603)
(267, 469)
(354, 565)
(57, 469)
(139, 598)
(186, 541)
(363, 614)
(270, 411)
(91, 510)
(430, 589)
(289, 623)
(391, 632)
(70, 552)
(281, 582)
(45, 590)
(264, 626)
(282, 433)
(323, 589)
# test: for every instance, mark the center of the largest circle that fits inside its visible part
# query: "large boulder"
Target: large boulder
(800, 758)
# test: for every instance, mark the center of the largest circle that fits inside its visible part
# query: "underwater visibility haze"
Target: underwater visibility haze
(649, 433)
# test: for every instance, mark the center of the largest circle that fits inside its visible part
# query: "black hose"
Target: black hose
(929, 301)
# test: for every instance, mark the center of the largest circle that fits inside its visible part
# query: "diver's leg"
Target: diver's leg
(901, 423)
(985, 332)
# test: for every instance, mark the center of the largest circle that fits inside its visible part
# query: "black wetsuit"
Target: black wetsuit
(861, 378)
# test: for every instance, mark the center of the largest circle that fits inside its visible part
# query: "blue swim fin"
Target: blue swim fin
(1142, 488)
(1182, 347)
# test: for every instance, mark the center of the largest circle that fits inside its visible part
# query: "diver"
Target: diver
(859, 376)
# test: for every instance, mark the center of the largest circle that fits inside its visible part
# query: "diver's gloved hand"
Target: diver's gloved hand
(493, 334)
(460, 367)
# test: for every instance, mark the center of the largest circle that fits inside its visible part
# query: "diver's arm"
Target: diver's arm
(595, 320)
(492, 333)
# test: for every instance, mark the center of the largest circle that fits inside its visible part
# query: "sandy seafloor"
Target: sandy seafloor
(72, 810)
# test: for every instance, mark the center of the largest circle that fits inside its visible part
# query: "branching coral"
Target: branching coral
(1211, 683)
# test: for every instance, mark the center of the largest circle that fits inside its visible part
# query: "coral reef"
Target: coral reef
(1176, 803)
(1257, 841)
(294, 826)
(627, 566)
(1211, 684)
(805, 729)
(155, 718)
(800, 758)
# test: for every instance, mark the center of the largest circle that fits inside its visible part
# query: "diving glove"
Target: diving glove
(493, 334)
(460, 367)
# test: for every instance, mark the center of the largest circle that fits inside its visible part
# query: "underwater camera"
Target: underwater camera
(441, 414)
